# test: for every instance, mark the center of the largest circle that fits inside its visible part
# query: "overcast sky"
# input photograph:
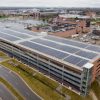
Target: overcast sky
(51, 3)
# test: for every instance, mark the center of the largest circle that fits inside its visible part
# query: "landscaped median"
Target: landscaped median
(43, 86)
(10, 88)
(3, 55)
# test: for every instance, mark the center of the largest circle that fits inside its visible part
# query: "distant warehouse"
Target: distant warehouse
(72, 63)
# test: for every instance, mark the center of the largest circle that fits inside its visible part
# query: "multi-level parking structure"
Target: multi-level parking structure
(72, 63)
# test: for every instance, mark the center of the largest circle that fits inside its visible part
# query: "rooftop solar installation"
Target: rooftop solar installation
(74, 43)
(57, 46)
(55, 53)
(66, 41)
(94, 48)
(8, 37)
(66, 50)
(81, 63)
(24, 31)
(20, 35)
(73, 59)
(45, 50)
(87, 54)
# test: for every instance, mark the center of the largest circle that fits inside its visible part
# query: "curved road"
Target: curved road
(18, 84)
(5, 94)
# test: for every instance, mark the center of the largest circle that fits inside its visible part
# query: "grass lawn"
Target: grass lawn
(75, 96)
(2, 17)
(42, 85)
(96, 89)
(3, 55)
(10, 88)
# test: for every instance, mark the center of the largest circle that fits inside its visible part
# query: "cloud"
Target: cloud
(52, 3)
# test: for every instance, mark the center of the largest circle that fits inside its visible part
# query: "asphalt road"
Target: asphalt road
(5, 94)
(18, 84)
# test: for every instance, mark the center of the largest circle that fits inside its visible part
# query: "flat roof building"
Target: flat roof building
(74, 16)
(72, 63)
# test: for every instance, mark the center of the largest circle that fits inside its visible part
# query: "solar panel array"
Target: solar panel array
(24, 31)
(16, 34)
(71, 51)
(44, 49)
(74, 43)
(8, 37)
(74, 56)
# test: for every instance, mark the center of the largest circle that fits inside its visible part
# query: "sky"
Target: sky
(50, 3)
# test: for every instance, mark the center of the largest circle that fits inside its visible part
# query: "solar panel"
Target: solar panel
(81, 63)
(94, 48)
(86, 54)
(24, 36)
(57, 46)
(69, 42)
(24, 31)
(44, 42)
(8, 37)
(73, 59)
(45, 50)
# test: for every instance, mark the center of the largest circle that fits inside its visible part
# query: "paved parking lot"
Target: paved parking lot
(5, 94)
